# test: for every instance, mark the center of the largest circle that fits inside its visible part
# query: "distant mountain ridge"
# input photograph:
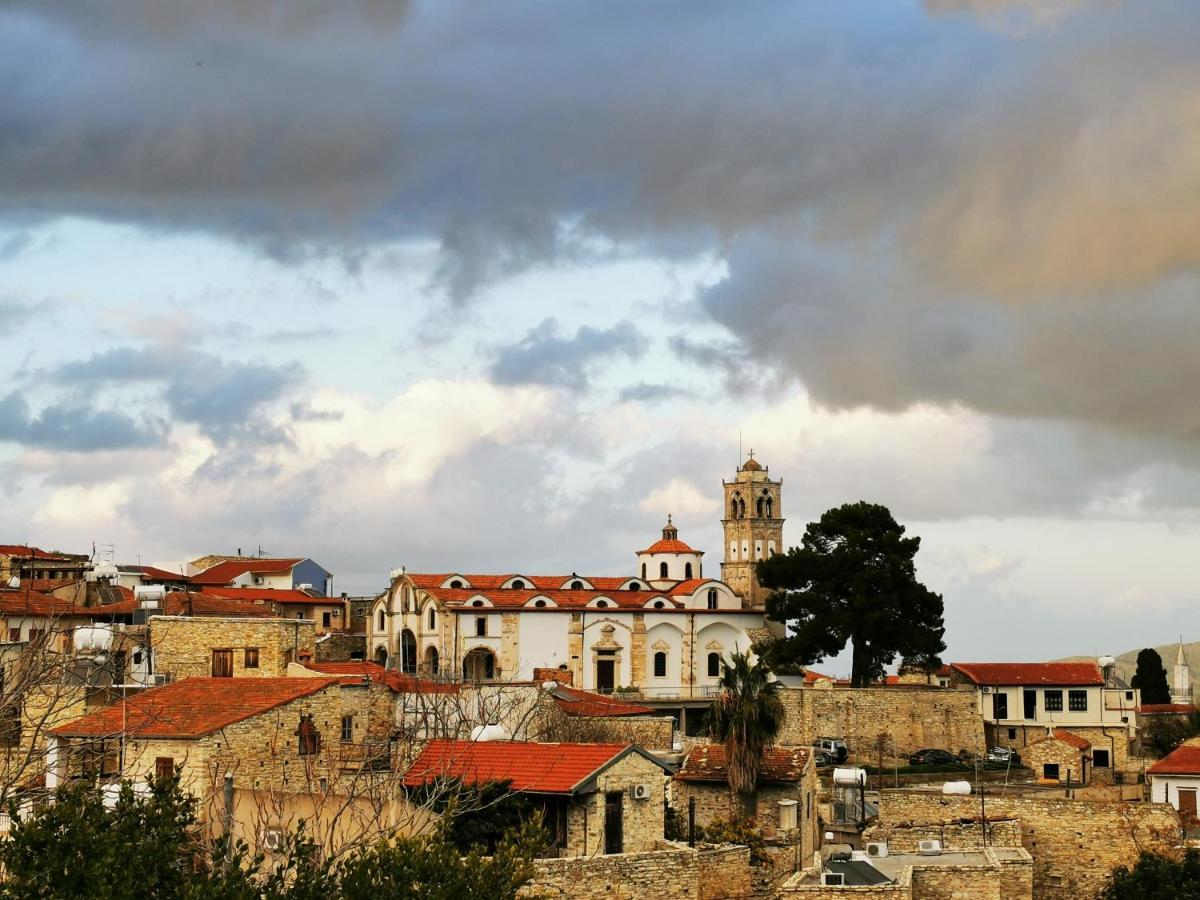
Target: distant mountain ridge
(1127, 661)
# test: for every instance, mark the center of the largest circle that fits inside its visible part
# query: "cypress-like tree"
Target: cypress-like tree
(1151, 677)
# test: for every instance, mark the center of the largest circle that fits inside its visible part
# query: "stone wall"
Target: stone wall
(958, 883)
(806, 885)
(668, 872)
(341, 647)
(1051, 751)
(913, 718)
(953, 835)
(1075, 844)
(183, 646)
(642, 820)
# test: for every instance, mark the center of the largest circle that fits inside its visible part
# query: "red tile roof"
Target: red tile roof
(189, 603)
(156, 574)
(193, 707)
(32, 552)
(528, 767)
(1183, 760)
(1067, 737)
(229, 570)
(669, 545)
(20, 602)
(354, 671)
(811, 677)
(1063, 673)
(709, 762)
(541, 582)
(1150, 709)
(576, 702)
(510, 598)
(268, 595)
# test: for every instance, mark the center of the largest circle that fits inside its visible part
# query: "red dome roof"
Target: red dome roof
(669, 545)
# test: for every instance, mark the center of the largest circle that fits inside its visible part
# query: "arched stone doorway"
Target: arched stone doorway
(408, 652)
(431, 660)
(479, 665)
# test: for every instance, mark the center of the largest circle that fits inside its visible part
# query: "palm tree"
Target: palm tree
(746, 717)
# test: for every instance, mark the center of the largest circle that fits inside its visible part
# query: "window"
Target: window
(635, 586)
(1050, 771)
(687, 570)
(481, 626)
(1053, 701)
(662, 570)
(301, 614)
(577, 585)
(658, 604)
(714, 665)
(1100, 759)
(539, 603)
(1000, 707)
(1077, 701)
(35, 634)
(164, 767)
(712, 598)
(309, 743)
(14, 635)
(326, 619)
(432, 618)
(1129, 695)
(456, 583)
(408, 652)
(477, 603)
(601, 604)
(643, 570)
(382, 622)
(518, 585)
(660, 664)
(347, 729)
(251, 661)
(1012, 734)
(222, 664)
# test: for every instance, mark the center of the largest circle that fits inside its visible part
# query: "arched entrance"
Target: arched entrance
(408, 652)
(431, 660)
(381, 655)
(479, 665)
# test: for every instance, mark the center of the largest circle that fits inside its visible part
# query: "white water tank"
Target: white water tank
(490, 732)
(149, 595)
(956, 787)
(787, 815)
(850, 776)
(93, 640)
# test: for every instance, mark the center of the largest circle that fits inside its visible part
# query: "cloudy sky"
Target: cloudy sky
(478, 286)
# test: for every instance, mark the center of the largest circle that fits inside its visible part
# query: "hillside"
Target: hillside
(1127, 661)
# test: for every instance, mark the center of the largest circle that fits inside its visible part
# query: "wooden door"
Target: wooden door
(222, 664)
(605, 676)
(614, 825)
(1187, 804)
(1031, 704)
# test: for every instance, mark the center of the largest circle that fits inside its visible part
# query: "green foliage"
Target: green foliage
(482, 816)
(853, 579)
(1151, 677)
(1156, 878)
(737, 831)
(1162, 734)
(746, 716)
(150, 848)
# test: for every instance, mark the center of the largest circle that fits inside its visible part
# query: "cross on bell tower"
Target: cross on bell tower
(753, 524)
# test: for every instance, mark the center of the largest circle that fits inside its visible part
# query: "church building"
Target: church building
(662, 631)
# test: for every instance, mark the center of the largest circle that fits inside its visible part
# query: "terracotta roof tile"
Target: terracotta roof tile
(399, 683)
(510, 598)
(19, 602)
(193, 707)
(669, 545)
(1183, 760)
(225, 572)
(1068, 737)
(269, 595)
(1067, 673)
(709, 762)
(1150, 709)
(529, 767)
(577, 702)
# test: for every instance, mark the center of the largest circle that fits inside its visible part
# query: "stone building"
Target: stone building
(787, 774)
(753, 525)
(1175, 779)
(594, 798)
(235, 647)
(662, 632)
(33, 563)
(328, 614)
(1061, 756)
(288, 573)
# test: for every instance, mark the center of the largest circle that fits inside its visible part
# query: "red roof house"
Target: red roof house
(1075, 674)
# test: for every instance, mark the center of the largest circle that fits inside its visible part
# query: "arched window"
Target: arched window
(761, 507)
(662, 570)
(660, 664)
(577, 585)
(643, 570)
(381, 656)
(687, 570)
(601, 604)
(539, 603)
(714, 665)
(408, 652)
(712, 598)
(770, 504)
(382, 622)
(635, 586)
(518, 585)
(309, 738)
(456, 583)
(431, 660)
(432, 618)
(658, 604)
(477, 603)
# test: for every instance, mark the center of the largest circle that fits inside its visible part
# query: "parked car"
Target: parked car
(932, 757)
(835, 747)
(822, 758)
(1004, 756)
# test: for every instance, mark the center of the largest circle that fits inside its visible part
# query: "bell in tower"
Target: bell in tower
(753, 525)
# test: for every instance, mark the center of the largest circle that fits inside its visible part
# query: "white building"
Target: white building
(1181, 684)
(662, 631)
(1175, 779)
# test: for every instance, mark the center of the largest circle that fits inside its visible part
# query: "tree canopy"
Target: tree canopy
(1157, 878)
(853, 579)
(1151, 677)
(746, 716)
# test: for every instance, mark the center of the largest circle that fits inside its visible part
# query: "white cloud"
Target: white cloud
(681, 498)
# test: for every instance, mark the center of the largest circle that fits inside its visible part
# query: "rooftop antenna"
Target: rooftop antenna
(739, 462)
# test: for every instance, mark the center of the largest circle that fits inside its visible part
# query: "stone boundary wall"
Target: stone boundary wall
(814, 890)
(913, 717)
(958, 883)
(1075, 844)
(953, 835)
(672, 872)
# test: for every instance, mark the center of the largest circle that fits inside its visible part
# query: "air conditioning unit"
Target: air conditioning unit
(833, 878)
(641, 792)
(877, 849)
(160, 678)
(929, 848)
(272, 840)
(985, 690)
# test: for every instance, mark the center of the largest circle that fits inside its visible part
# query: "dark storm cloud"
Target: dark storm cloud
(546, 356)
(913, 207)
(646, 392)
(74, 427)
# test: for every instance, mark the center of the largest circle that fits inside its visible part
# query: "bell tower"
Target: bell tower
(753, 524)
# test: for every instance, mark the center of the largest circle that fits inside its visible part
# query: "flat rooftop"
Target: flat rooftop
(893, 865)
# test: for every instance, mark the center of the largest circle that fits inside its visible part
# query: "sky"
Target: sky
(465, 286)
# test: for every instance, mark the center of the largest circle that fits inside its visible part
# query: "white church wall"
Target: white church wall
(542, 642)
(667, 637)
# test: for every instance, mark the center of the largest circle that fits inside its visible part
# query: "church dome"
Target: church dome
(751, 465)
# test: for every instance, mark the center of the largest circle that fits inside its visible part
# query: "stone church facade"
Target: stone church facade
(664, 630)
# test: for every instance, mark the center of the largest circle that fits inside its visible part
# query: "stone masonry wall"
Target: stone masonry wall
(1075, 844)
(953, 835)
(642, 820)
(183, 646)
(957, 883)
(668, 872)
(912, 717)
(812, 889)
(1054, 752)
